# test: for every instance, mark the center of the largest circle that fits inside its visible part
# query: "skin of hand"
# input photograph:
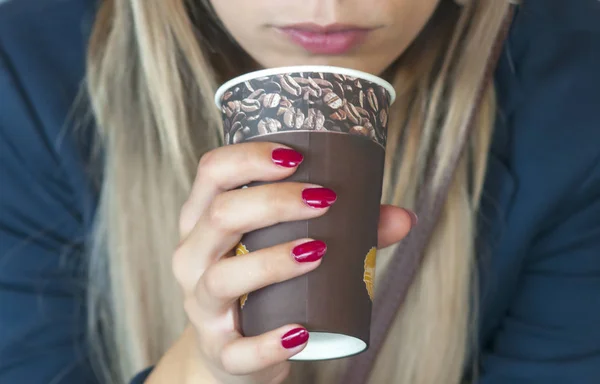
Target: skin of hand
(212, 222)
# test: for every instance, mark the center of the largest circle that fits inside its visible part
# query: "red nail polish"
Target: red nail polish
(287, 158)
(294, 338)
(319, 197)
(309, 252)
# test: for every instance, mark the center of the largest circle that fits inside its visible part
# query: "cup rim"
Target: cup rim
(304, 68)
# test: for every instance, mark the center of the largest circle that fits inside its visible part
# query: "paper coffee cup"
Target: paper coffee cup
(337, 118)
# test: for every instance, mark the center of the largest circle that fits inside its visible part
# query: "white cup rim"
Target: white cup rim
(305, 68)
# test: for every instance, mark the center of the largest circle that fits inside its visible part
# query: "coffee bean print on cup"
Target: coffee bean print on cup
(305, 101)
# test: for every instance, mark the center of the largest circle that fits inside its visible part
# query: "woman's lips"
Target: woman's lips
(334, 39)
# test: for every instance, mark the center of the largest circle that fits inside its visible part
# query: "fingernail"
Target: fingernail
(414, 219)
(294, 338)
(287, 158)
(309, 252)
(319, 197)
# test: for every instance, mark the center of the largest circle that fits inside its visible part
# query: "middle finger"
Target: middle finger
(240, 211)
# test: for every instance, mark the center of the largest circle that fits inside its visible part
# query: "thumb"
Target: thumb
(394, 224)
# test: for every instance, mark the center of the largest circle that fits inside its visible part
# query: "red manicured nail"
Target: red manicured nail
(294, 338)
(309, 252)
(287, 158)
(319, 197)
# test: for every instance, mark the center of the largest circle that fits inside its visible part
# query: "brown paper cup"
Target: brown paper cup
(337, 118)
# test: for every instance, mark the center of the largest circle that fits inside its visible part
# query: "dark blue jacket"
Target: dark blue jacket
(540, 220)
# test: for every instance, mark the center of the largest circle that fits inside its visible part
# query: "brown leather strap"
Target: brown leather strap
(408, 256)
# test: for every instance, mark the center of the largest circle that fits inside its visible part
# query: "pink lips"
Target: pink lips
(334, 39)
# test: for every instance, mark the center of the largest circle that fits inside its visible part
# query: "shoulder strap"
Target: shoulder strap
(408, 256)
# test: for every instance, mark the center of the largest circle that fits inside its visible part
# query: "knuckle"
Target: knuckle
(263, 354)
(207, 167)
(278, 198)
(192, 310)
(213, 283)
(251, 160)
(185, 221)
(227, 362)
(182, 213)
(271, 270)
(256, 157)
(282, 373)
(178, 264)
(190, 306)
(209, 349)
(205, 161)
(218, 214)
(247, 154)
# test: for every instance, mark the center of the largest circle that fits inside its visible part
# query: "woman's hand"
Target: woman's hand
(212, 223)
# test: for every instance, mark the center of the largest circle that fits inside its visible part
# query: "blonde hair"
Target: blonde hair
(152, 69)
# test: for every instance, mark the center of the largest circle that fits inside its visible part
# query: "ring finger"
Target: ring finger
(225, 281)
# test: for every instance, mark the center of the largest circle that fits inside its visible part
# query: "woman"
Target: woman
(118, 210)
